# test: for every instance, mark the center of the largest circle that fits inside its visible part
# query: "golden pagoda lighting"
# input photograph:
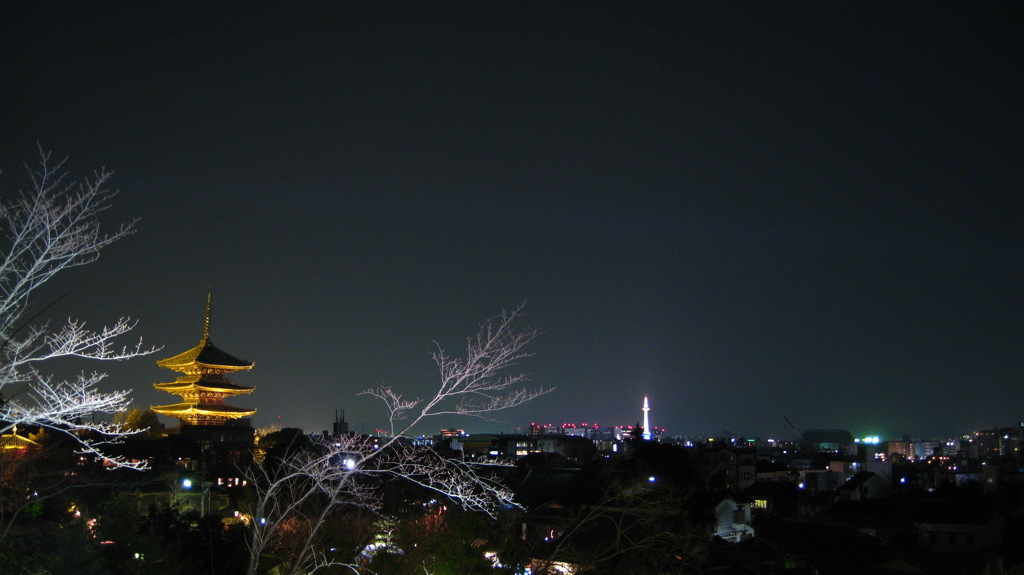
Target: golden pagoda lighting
(203, 386)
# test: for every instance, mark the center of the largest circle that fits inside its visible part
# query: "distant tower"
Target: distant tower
(340, 425)
(647, 421)
(202, 385)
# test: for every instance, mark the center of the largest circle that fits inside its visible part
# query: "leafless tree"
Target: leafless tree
(630, 530)
(51, 227)
(342, 472)
(48, 470)
(635, 539)
(475, 385)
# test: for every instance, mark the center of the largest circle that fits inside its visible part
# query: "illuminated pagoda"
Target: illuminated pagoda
(202, 385)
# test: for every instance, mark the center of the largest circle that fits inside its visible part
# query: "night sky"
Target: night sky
(742, 210)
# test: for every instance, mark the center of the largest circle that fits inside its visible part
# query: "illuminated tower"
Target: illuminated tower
(647, 421)
(202, 385)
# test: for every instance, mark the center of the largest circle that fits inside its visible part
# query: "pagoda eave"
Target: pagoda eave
(206, 356)
(167, 364)
(228, 389)
(180, 409)
(224, 368)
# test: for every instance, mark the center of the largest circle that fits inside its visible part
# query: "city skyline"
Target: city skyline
(744, 212)
(792, 435)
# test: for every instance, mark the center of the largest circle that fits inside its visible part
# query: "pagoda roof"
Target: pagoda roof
(205, 355)
(196, 382)
(179, 409)
(14, 441)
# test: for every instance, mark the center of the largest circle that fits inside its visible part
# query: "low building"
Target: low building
(722, 516)
(959, 528)
(830, 441)
(865, 485)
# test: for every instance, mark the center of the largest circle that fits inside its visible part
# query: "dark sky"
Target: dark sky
(743, 210)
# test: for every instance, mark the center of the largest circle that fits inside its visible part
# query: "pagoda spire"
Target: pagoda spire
(206, 319)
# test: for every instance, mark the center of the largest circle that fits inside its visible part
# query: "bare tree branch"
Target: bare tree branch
(52, 227)
(474, 385)
(625, 533)
(309, 485)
